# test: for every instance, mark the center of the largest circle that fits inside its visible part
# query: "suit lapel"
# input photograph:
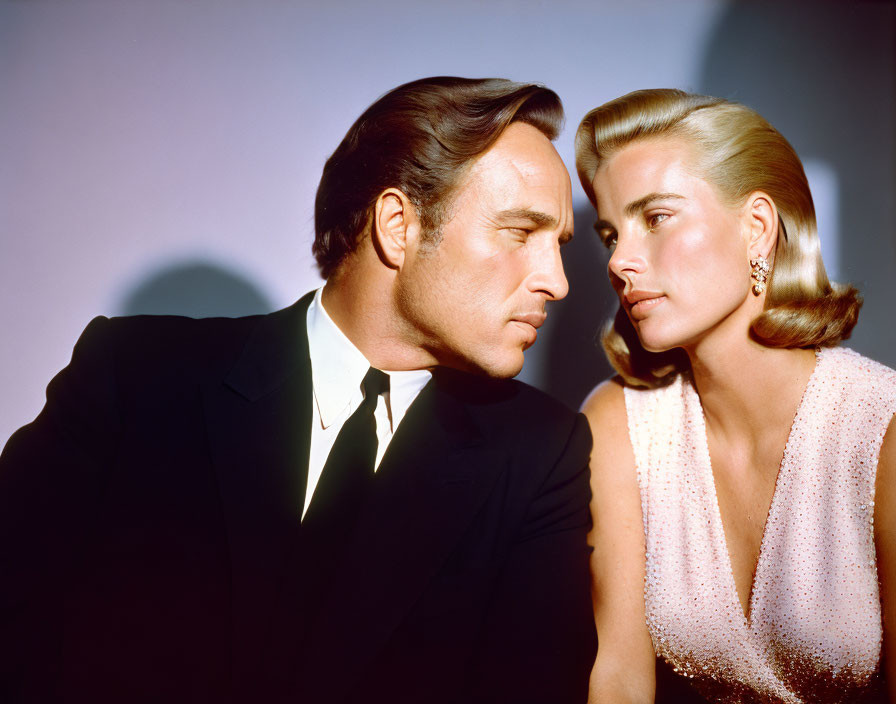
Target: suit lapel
(259, 422)
(435, 475)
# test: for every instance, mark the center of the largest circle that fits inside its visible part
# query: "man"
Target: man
(247, 510)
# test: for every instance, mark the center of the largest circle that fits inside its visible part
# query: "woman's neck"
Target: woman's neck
(746, 389)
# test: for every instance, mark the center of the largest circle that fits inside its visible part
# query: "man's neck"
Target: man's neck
(365, 313)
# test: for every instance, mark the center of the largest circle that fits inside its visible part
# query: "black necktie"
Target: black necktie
(345, 479)
(325, 531)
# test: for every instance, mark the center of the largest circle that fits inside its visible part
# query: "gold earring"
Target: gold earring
(759, 274)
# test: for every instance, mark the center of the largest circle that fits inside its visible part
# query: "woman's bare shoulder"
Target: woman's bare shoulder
(605, 405)
(612, 460)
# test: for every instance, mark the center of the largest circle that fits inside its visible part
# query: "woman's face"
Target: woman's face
(679, 261)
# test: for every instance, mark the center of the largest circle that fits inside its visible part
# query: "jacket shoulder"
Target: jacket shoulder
(153, 341)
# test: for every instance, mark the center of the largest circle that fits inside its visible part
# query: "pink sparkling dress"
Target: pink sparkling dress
(814, 633)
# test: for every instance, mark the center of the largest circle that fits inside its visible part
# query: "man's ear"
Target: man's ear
(762, 219)
(396, 227)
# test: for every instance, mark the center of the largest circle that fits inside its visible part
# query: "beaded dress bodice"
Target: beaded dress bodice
(814, 632)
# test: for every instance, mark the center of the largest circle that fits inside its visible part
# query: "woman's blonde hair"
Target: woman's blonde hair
(739, 153)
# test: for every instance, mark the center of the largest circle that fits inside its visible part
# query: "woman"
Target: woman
(738, 451)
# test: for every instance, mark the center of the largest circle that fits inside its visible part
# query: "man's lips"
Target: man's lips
(536, 320)
(529, 324)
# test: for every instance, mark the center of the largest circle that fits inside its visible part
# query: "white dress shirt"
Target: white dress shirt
(337, 369)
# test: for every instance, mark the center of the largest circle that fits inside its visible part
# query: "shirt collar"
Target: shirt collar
(338, 367)
(403, 389)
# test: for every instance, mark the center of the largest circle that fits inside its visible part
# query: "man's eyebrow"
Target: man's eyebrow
(637, 206)
(536, 216)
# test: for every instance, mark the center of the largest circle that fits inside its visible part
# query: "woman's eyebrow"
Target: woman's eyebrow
(637, 206)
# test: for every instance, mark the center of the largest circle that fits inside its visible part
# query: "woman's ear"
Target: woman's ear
(762, 218)
(396, 227)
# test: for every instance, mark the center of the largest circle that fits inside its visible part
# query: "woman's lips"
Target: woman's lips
(640, 303)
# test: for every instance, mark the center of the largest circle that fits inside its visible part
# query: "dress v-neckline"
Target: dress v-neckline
(747, 616)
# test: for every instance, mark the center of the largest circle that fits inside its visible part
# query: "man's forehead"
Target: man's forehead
(522, 149)
(521, 177)
(510, 170)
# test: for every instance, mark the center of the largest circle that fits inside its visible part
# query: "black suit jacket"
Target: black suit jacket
(148, 516)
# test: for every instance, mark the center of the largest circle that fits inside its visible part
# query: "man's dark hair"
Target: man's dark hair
(418, 138)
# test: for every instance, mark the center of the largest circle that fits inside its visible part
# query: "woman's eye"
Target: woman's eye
(656, 219)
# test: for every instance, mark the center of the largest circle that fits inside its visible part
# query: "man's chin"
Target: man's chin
(504, 368)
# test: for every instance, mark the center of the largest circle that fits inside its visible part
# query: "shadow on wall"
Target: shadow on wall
(570, 357)
(823, 74)
(196, 289)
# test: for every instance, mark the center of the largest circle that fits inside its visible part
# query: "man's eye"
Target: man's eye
(607, 236)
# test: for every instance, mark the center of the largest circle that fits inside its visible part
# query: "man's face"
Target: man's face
(476, 300)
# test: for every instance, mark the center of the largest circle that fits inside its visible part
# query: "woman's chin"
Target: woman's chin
(657, 343)
(659, 336)
(658, 349)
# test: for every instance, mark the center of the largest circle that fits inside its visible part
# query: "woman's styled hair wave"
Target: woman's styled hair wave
(739, 153)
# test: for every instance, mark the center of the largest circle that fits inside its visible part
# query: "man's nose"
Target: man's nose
(550, 278)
